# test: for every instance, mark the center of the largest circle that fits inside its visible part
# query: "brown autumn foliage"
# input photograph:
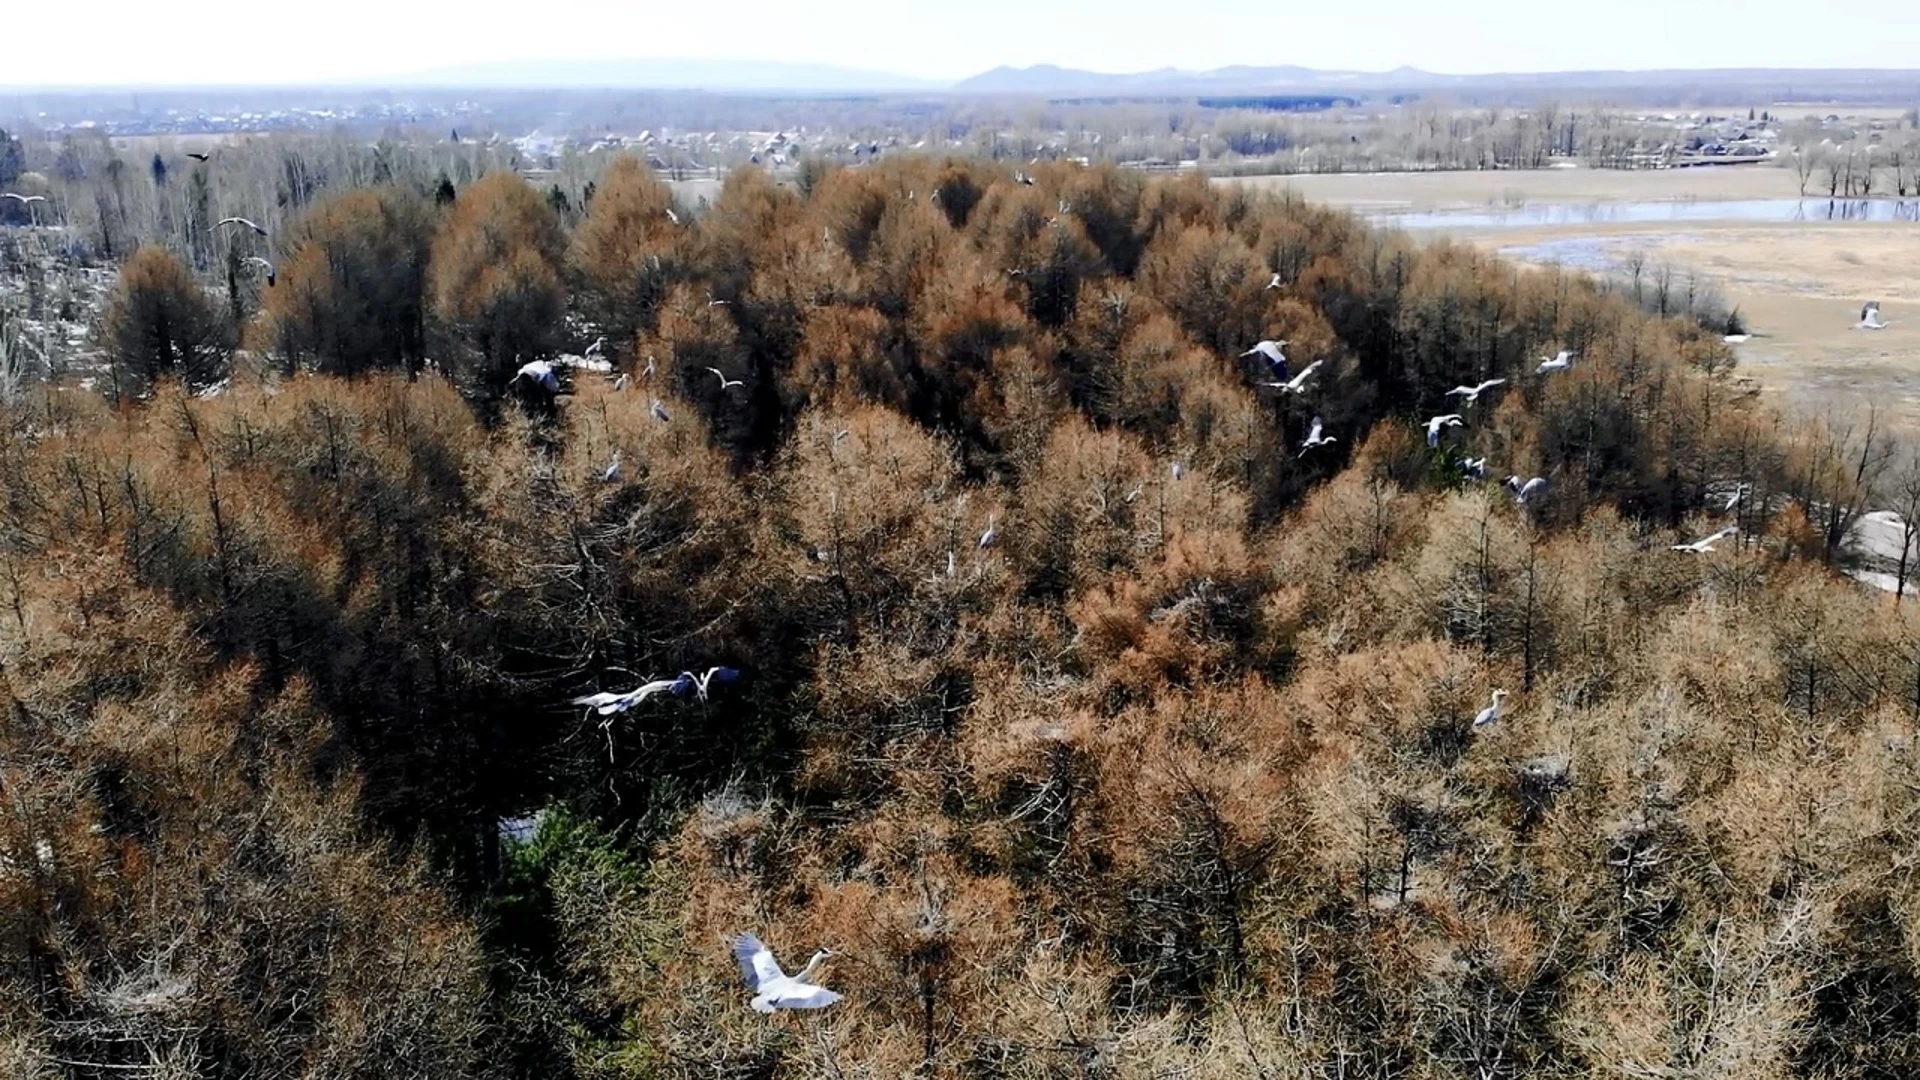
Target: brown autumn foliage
(351, 292)
(161, 324)
(1176, 774)
(496, 278)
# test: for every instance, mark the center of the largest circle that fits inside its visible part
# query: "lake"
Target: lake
(1535, 215)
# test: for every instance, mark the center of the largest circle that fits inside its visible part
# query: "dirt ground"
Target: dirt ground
(1798, 285)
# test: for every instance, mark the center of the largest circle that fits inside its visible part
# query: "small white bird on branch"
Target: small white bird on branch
(1523, 493)
(1702, 547)
(1491, 714)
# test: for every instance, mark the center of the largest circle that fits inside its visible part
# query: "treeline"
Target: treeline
(1174, 776)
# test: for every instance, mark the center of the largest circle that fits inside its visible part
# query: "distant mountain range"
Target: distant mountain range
(750, 76)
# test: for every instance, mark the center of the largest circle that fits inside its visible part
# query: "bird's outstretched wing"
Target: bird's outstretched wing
(756, 961)
(805, 996)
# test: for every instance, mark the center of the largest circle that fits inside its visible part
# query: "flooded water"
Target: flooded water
(1534, 215)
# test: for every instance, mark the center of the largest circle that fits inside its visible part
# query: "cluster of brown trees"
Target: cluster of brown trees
(1176, 777)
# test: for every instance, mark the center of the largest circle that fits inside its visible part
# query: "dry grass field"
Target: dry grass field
(1799, 285)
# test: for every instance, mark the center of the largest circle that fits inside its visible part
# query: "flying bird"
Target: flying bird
(607, 703)
(701, 682)
(272, 276)
(1559, 363)
(774, 989)
(725, 383)
(1271, 350)
(23, 200)
(1314, 438)
(198, 157)
(541, 373)
(1702, 547)
(1870, 317)
(659, 411)
(238, 221)
(1490, 714)
(1475, 467)
(1524, 492)
(1298, 383)
(1472, 393)
(1435, 424)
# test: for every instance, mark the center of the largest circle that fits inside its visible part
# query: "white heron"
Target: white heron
(1559, 363)
(1475, 467)
(599, 343)
(725, 383)
(1737, 339)
(1176, 470)
(1870, 317)
(1733, 500)
(272, 274)
(1522, 493)
(699, 683)
(987, 538)
(647, 372)
(1022, 179)
(23, 200)
(1471, 394)
(612, 471)
(1315, 439)
(1298, 383)
(608, 703)
(539, 372)
(622, 382)
(1273, 283)
(841, 434)
(659, 411)
(237, 221)
(1271, 350)
(1435, 424)
(775, 989)
(1702, 547)
(673, 217)
(1491, 714)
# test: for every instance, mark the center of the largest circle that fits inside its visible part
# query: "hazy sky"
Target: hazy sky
(224, 41)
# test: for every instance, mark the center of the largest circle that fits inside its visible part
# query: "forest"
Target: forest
(1097, 723)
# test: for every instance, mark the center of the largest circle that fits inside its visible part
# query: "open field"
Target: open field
(1459, 190)
(1799, 285)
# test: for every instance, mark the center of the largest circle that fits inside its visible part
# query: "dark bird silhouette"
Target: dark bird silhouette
(198, 157)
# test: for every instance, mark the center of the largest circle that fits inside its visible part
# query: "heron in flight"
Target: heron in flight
(699, 683)
(608, 703)
(1314, 438)
(725, 383)
(23, 200)
(238, 221)
(1522, 493)
(1297, 384)
(775, 989)
(1435, 424)
(1870, 317)
(1702, 547)
(1271, 350)
(540, 373)
(198, 157)
(1471, 394)
(272, 275)
(1559, 363)
(1491, 714)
